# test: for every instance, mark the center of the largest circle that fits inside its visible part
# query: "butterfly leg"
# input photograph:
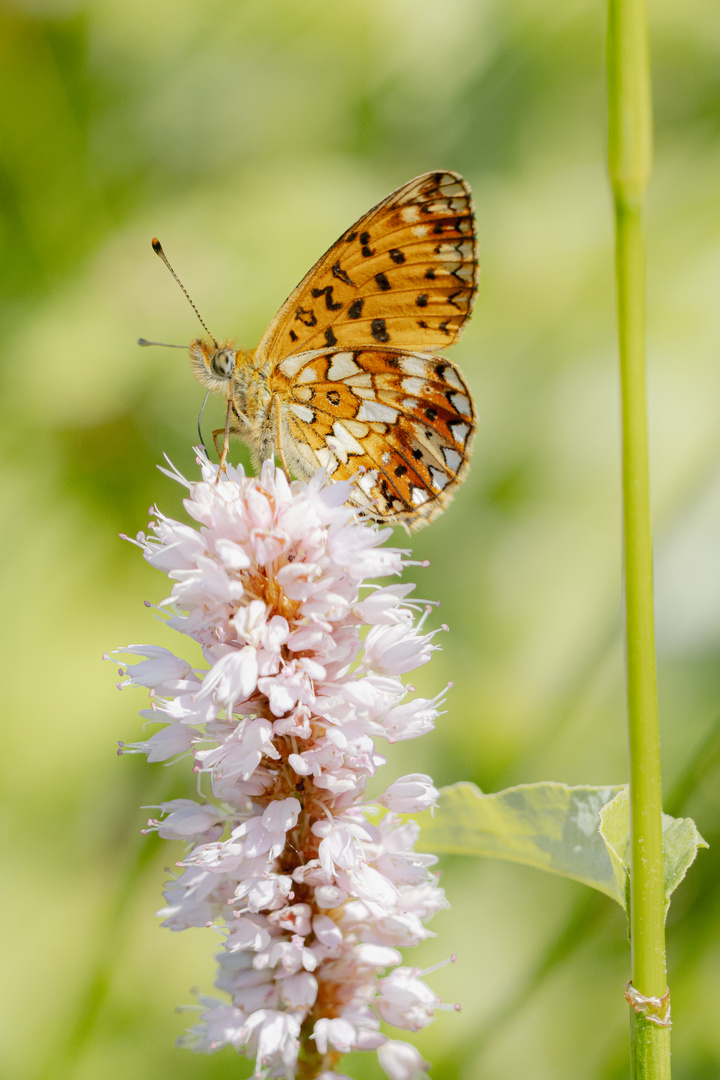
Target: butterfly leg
(278, 431)
(216, 432)
(226, 440)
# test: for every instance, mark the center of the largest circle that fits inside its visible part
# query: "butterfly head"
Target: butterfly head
(213, 364)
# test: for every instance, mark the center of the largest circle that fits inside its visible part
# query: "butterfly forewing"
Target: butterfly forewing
(404, 421)
(404, 275)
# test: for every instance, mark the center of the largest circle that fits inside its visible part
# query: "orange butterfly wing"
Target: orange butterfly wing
(405, 275)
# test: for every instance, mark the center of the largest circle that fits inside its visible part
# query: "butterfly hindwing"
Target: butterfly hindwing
(403, 420)
(404, 275)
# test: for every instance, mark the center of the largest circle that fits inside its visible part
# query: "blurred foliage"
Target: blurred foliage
(248, 134)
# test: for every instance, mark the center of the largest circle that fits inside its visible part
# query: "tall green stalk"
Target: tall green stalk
(630, 156)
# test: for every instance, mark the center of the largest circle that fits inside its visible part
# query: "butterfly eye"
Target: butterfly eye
(223, 363)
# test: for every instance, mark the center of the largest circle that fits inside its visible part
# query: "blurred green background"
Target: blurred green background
(248, 134)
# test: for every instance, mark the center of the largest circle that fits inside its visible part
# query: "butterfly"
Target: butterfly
(342, 378)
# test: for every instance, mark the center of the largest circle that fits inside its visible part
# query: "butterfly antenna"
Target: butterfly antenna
(157, 248)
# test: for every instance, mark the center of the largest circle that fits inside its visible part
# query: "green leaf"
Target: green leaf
(578, 832)
(681, 841)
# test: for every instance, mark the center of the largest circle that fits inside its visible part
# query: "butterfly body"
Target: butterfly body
(342, 377)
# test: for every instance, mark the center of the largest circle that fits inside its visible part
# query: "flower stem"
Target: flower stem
(630, 155)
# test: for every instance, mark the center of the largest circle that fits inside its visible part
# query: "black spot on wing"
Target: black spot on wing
(382, 282)
(355, 309)
(306, 316)
(327, 292)
(379, 330)
(330, 338)
(396, 255)
(422, 300)
(338, 272)
(367, 251)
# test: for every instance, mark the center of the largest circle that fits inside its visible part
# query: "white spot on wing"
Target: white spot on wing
(449, 185)
(461, 403)
(342, 367)
(309, 374)
(415, 387)
(419, 496)
(460, 432)
(451, 377)
(410, 213)
(364, 379)
(292, 364)
(367, 481)
(414, 365)
(343, 443)
(356, 429)
(453, 460)
(303, 413)
(439, 479)
(375, 410)
(466, 272)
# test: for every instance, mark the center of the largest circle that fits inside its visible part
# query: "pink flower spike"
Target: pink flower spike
(312, 893)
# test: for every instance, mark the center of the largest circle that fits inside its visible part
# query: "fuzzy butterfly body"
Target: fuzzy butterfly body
(342, 377)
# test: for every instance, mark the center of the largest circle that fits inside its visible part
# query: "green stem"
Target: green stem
(630, 154)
